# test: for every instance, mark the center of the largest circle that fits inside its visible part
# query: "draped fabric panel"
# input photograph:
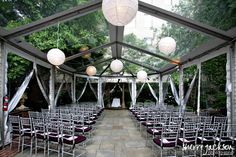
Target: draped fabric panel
(190, 89)
(42, 89)
(189, 92)
(174, 91)
(140, 90)
(91, 87)
(153, 92)
(16, 98)
(86, 83)
(59, 91)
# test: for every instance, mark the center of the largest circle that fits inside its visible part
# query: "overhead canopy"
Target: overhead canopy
(107, 42)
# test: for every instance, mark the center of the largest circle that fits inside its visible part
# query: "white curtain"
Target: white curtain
(91, 87)
(16, 98)
(190, 88)
(86, 83)
(140, 90)
(59, 91)
(153, 92)
(174, 91)
(46, 97)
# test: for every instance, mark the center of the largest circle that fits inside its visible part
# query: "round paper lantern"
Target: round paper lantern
(55, 56)
(91, 70)
(142, 75)
(167, 45)
(116, 66)
(85, 48)
(119, 12)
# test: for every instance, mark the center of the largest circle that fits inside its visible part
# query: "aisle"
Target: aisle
(117, 136)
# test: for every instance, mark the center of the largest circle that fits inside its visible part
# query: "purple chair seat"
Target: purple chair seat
(205, 140)
(186, 141)
(91, 122)
(73, 139)
(147, 124)
(154, 131)
(83, 128)
(54, 137)
(141, 119)
(165, 142)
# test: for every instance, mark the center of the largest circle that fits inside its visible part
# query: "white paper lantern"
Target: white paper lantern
(142, 75)
(91, 70)
(55, 56)
(116, 66)
(119, 12)
(167, 45)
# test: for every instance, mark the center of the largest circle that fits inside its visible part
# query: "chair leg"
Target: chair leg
(23, 143)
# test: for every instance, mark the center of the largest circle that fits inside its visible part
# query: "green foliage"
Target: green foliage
(17, 67)
(213, 83)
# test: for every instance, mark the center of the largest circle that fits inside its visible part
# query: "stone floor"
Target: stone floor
(116, 136)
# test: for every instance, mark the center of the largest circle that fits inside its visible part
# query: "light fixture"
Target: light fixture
(119, 12)
(56, 57)
(167, 45)
(142, 75)
(116, 66)
(91, 70)
(85, 48)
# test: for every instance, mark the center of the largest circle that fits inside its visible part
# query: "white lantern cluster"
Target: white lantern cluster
(116, 66)
(119, 12)
(91, 70)
(142, 75)
(56, 57)
(167, 45)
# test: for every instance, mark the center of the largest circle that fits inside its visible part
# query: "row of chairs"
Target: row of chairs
(166, 129)
(53, 131)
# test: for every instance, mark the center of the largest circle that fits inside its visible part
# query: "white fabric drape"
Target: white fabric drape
(190, 89)
(153, 92)
(16, 98)
(174, 91)
(91, 87)
(40, 85)
(86, 83)
(58, 92)
(140, 90)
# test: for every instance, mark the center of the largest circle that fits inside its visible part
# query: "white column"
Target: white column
(73, 88)
(160, 90)
(3, 92)
(52, 89)
(181, 88)
(100, 93)
(229, 68)
(233, 72)
(199, 66)
(134, 92)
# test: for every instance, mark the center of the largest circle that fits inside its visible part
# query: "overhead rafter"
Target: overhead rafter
(31, 50)
(174, 18)
(104, 70)
(140, 64)
(129, 70)
(54, 19)
(116, 34)
(94, 63)
(149, 53)
(93, 50)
